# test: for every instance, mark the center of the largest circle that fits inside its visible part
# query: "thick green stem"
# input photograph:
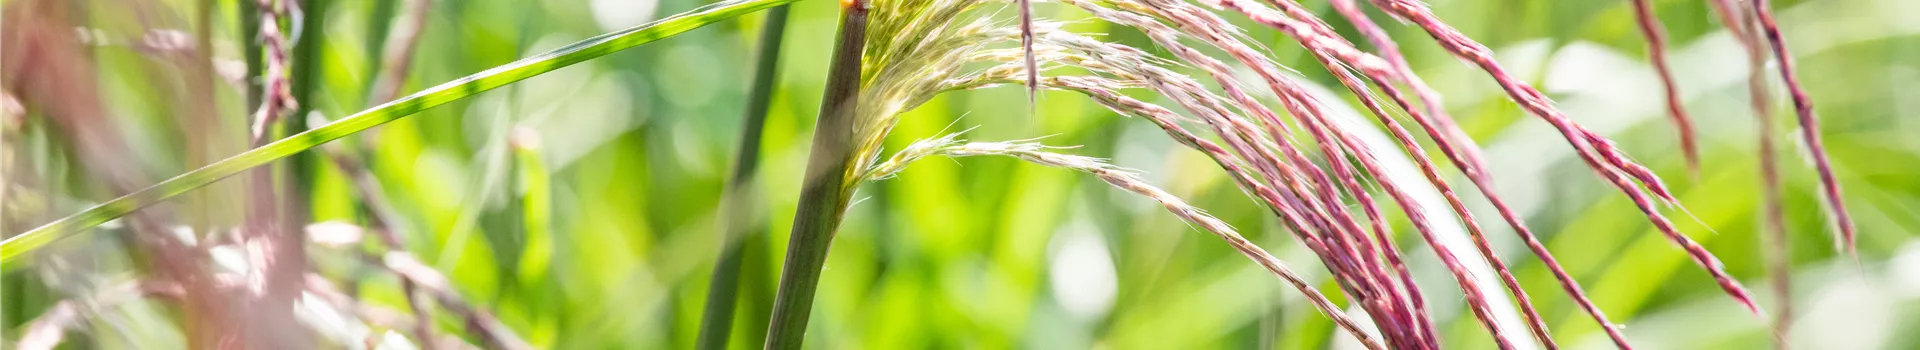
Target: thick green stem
(823, 192)
(716, 322)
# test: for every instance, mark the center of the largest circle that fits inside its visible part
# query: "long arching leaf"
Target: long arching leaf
(451, 91)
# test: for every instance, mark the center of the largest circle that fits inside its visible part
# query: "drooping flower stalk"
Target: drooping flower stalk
(1428, 97)
(1229, 87)
(1315, 41)
(1412, 316)
(1809, 125)
(1567, 283)
(1322, 182)
(1128, 181)
(1337, 266)
(1535, 322)
(1650, 28)
(1462, 151)
(1779, 248)
(1602, 157)
(1131, 64)
(1166, 120)
(1110, 59)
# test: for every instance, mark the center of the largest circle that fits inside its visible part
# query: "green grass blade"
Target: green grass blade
(745, 225)
(451, 91)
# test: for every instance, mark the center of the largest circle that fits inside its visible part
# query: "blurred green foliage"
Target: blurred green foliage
(602, 235)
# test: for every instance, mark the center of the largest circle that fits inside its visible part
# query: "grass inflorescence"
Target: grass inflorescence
(1319, 188)
(1213, 90)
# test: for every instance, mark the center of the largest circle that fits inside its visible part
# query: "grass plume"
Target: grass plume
(1324, 177)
